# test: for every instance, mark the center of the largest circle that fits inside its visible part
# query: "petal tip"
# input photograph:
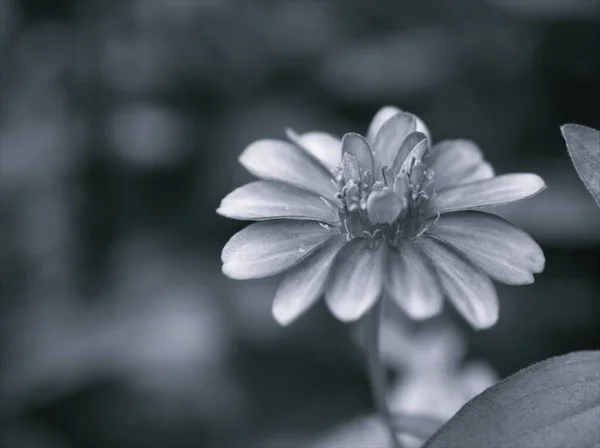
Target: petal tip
(539, 265)
(422, 313)
(485, 325)
(346, 316)
(281, 316)
(245, 155)
(237, 272)
(484, 321)
(221, 210)
(538, 182)
(246, 158)
(526, 280)
(227, 269)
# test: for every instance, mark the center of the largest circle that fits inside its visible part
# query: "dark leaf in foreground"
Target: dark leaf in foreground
(552, 404)
(583, 144)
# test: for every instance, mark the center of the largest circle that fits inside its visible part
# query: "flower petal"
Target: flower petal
(269, 247)
(415, 155)
(282, 161)
(305, 282)
(482, 172)
(412, 283)
(500, 249)
(390, 137)
(456, 162)
(499, 190)
(350, 168)
(356, 145)
(266, 199)
(412, 141)
(471, 291)
(324, 147)
(356, 280)
(382, 115)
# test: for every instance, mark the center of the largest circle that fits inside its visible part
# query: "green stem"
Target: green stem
(376, 369)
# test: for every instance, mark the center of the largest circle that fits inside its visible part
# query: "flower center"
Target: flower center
(387, 209)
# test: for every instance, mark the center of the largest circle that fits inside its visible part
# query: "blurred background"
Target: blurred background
(120, 127)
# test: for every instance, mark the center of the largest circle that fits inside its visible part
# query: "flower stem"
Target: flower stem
(376, 369)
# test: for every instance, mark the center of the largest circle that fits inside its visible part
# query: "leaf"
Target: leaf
(583, 144)
(552, 404)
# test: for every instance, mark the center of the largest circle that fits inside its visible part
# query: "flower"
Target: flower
(433, 382)
(381, 214)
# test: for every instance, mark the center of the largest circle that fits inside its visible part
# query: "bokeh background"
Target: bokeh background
(120, 126)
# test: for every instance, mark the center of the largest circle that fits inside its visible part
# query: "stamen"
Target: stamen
(388, 176)
(373, 234)
(422, 194)
(348, 234)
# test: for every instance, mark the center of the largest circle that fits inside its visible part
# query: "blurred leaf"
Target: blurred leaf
(583, 144)
(555, 403)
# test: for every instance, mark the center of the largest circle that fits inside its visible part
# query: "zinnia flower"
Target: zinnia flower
(381, 214)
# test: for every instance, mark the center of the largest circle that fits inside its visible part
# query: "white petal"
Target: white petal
(350, 167)
(412, 141)
(500, 249)
(471, 291)
(483, 171)
(499, 190)
(324, 147)
(382, 115)
(390, 137)
(269, 247)
(416, 154)
(423, 129)
(305, 283)
(457, 161)
(282, 161)
(356, 280)
(265, 199)
(412, 283)
(357, 146)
